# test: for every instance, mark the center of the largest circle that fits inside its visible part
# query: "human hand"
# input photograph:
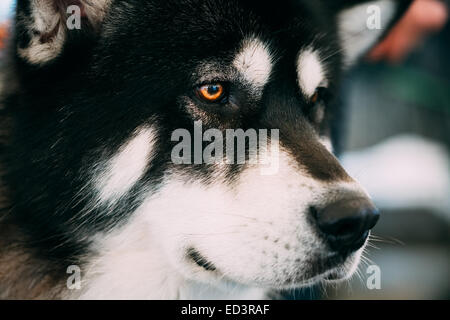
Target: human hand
(422, 18)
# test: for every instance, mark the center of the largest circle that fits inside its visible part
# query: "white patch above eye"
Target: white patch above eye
(254, 62)
(310, 71)
(127, 166)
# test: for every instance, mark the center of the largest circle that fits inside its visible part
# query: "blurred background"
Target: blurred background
(396, 144)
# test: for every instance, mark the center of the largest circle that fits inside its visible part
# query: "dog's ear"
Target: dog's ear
(362, 24)
(44, 27)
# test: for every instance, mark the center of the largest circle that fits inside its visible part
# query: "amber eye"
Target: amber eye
(211, 92)
(321, 94)
(315, 97)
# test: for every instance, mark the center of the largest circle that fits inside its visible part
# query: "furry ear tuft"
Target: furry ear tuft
(42, 26)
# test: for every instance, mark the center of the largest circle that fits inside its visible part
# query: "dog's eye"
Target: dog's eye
(315, 97)
(321, 95)
(211, 92)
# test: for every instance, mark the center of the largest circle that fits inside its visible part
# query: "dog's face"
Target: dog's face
(103, 149)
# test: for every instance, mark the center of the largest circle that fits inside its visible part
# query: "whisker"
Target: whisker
(387, 240)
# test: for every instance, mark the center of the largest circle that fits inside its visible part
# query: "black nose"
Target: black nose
(346, 223)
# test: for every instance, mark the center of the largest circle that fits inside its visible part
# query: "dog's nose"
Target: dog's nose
(346, 223)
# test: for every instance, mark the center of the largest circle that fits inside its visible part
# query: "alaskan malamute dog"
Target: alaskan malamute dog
(93, 203)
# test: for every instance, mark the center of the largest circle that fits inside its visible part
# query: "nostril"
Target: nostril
(346, 226)
(346, 223)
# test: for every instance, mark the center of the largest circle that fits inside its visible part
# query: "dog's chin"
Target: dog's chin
(344, 271)
(332, 268)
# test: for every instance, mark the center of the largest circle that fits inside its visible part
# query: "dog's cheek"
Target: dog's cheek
(248, 231)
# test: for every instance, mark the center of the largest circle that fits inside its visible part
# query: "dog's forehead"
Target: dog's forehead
(256, 44)
(254, 40)
(256, 58)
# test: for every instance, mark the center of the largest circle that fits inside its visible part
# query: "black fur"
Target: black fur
(81, 106)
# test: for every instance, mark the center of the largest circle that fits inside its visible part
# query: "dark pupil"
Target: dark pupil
(212, 90)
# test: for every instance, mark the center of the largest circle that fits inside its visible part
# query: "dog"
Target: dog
(94, 205)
